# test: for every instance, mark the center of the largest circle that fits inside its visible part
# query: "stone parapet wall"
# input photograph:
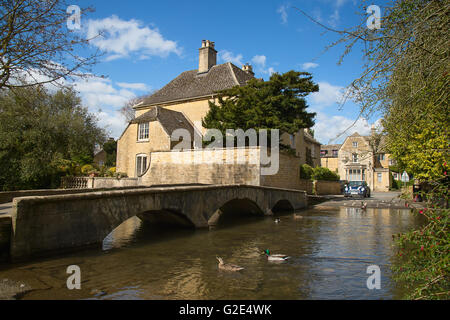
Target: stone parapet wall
(8, 196)
(327, 187)
(204, 166)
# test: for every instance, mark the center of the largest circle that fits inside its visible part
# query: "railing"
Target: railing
(76, 183)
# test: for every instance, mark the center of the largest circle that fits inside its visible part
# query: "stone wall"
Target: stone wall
(330, 163)
(288, 175)
(100, 182)
(5, 237)
(384, 183)
(327, 187)
(204, 166)
(8, 196)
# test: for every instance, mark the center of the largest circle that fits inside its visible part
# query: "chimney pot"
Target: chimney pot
(248, 68)
(207, 56)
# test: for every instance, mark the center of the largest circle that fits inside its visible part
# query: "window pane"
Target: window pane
(138, 165)
(144, 164)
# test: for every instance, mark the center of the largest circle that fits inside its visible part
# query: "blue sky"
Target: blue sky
(148, 43)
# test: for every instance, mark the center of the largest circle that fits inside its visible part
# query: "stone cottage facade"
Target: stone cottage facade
(183, 103)
(355, 160)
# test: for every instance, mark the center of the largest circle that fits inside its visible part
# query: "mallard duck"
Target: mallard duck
(228, 266)
(277, 220)
(298, 216)
(275, 257)
(363, 205)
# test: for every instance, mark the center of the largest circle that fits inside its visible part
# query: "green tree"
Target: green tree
(322, 173)
(275, 104)
(110, 147)
(42, 136)
(406, 78)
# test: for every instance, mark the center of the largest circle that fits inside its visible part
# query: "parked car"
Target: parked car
(357, 188)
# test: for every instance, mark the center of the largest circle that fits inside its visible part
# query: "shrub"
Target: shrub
(120, 175)
(87, 168)
(306, 171)
(322, 173)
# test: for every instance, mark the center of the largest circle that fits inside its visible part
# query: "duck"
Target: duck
(277, 220)
(363, 205)
(298, 216)
(228, 266)
(275, 257)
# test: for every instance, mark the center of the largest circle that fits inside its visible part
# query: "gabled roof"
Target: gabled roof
(330, 147)
(191, 84)
(169, 119)
(310, 138)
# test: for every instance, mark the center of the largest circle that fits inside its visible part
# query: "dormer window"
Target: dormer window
(143, 131)
(355, 144)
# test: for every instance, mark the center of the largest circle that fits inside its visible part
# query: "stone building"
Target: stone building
(183, 103)
(358, 160)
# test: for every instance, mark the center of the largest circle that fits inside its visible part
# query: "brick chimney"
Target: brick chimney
(207, 56)
(248, 68)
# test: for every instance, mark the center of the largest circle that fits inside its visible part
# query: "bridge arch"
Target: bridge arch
(166, 217)
(282, 205)
(235, 207)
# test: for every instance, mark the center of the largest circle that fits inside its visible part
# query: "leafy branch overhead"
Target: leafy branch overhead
(275, 104)
(36, 45)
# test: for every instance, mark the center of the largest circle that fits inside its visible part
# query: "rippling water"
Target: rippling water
(330, 251)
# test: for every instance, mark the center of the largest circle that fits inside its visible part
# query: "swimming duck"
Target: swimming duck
(228, 266)
(275, 257)
(298, 216)
(277, 220)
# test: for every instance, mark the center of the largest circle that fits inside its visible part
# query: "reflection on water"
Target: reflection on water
(330, 251)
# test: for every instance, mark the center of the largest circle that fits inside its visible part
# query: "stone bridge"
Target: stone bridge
(44, 224)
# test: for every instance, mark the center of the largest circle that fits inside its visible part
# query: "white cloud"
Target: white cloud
(334, 129)
(260, 65)
(309, 65)
(114, 122)
(328, 95)
(334, 18)
(121, 38)
(228, 56)
(259, 60)
(134, 86)
(283, 13)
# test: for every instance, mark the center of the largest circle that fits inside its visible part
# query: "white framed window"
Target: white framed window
(354, 157)
(143, 131)
(141, 164)
(355, 144)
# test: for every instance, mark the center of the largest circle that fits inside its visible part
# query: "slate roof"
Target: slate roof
(169, 119)
(329, 148)
(191, 84)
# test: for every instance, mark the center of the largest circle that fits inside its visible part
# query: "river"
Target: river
(330, 251)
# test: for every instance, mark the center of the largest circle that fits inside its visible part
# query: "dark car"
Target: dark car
(357, 188)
